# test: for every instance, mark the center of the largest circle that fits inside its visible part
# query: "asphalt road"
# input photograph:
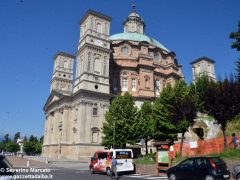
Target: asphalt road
(71, 174)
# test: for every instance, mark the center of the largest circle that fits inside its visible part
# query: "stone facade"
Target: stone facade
(203, 66)
(105, 66)
(144, 71)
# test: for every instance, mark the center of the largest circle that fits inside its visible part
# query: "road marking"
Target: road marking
(80, 172)
(55, 169)
(138, 175)
(149, 177)
(157, 178)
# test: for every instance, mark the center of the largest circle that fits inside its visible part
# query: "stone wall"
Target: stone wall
(146, 169)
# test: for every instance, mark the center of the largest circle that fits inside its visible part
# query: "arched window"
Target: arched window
(89, 61)
(157, 87)
(99, 27)
(97, 65)
(65, 64)
(95, 110)
(95, 134)
(124, 84)
(105, 66)
(124, 50)
(115, 86)
(81, 64)
(147, 82)
(134, 84)
(84, 29)
(157, 56)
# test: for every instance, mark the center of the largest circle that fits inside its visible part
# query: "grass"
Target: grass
(147, 159)
(229, 154)
(233, 126)
(232, 154)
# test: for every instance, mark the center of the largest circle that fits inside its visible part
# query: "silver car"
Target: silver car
(4, 164)
(236, 172)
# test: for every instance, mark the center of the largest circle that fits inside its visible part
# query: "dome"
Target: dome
(137, 37)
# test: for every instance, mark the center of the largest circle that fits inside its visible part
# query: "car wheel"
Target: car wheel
(209, 177)
(172, 177)
(238, 177)
(92, 170)
(108, 171)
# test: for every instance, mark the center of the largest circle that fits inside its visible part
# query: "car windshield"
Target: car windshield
(123, 155)
(102, 156)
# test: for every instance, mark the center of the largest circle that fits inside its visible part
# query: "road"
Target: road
(63, 170)
(71, 174)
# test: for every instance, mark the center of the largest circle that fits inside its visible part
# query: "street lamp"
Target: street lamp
(114, 119)
(194, 78)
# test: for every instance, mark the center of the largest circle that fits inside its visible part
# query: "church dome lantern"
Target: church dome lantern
(134, 23)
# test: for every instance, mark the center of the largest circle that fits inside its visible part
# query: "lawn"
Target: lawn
(229, 154)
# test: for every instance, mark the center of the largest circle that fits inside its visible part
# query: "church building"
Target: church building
(105, 66)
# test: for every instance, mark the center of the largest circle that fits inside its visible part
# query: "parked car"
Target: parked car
(200, 168)
(4, 166)
(236, 172)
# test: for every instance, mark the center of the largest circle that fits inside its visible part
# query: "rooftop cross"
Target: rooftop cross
(134, 8)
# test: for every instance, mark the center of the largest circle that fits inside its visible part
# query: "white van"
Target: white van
(102, 160)
(124, 159)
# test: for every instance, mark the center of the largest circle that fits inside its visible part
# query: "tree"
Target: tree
(2, 147)
(237, 69)
(118, 128)
(144, 123)
(12, 147)
(25, 139)
(41, 139)
(173, 112)
(16, 136)
(198, 89)
(33, 145)
(38, 147)
(183, 108)
(236, 37)
(6, 138)
(223, 102)
(29, 148)
(33, 139)
(236, 45)
(163, 128)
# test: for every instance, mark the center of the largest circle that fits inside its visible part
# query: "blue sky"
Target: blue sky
(32, 31)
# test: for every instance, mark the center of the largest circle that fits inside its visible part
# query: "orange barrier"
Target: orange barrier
(209, 146)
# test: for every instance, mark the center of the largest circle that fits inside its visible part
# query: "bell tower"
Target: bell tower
(203, 66)
(92, 68)
(62, 78)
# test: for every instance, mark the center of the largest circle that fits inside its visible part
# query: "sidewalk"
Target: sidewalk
(19, 162)
(64, 163)
(40, 162)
